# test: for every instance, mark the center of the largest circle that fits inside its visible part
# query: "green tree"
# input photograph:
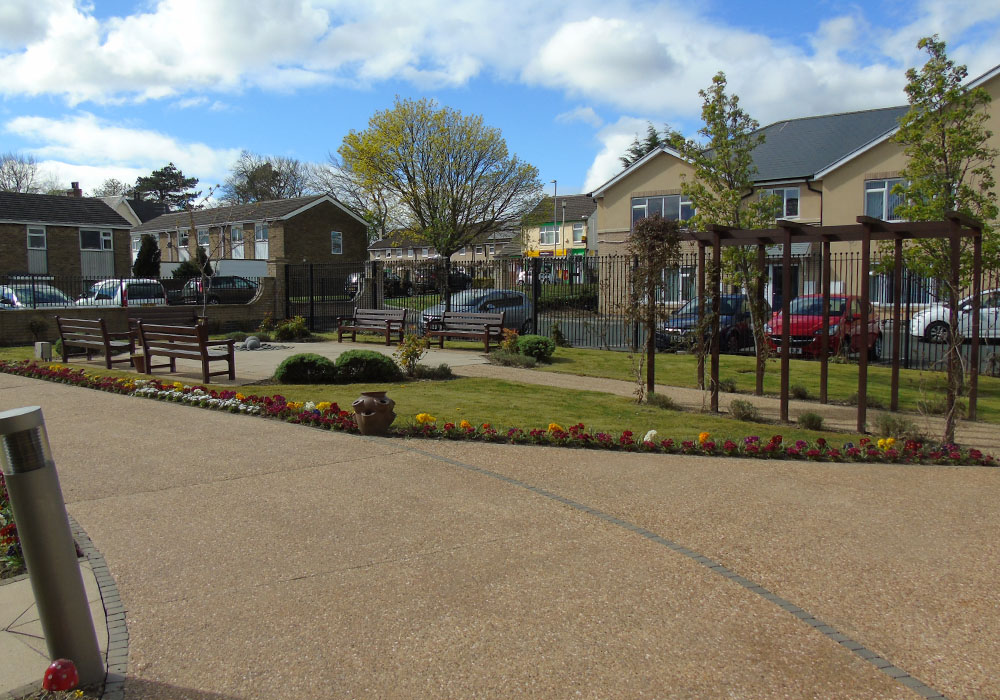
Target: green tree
(453, 175)
(638, 149)
(256, 178)
(168, 186)
(949, 168)
(201, 266)
(721, 194)
(147, 260)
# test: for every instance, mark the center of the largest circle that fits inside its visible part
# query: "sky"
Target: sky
(101, 89)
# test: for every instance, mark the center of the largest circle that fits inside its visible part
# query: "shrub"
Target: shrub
(536, 346)
(741, 409)
(356, 366)
(663, 401)
(410, 351)
(938, 406)
(509, 342)
(57, 349)
(799, 392)
(891, 425)
(291, 329)
(873, 402)
(811, 421)
(238, 336)
(266, 325)
(728, 385)
(38, 325)
(557, 336)
(306, 368)
(511, 359)
(442, 371)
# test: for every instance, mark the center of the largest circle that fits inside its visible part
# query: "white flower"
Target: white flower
(650, 436)
(309, 406)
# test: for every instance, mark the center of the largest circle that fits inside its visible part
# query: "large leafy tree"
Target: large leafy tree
(168, 186)
(257, 178)
(641, 147)
(453, 175)
(949, 168)
(18, 173)
(721, 194)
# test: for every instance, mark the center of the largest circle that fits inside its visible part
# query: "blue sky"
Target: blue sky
(115, 89)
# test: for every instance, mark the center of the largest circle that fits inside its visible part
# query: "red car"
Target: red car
(806, 326)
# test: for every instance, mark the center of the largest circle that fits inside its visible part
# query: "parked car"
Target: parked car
(32, 296)
(735, 329)
(989, 316)
(429, 281)
(517, 307)
(124, 292)
(393, 284)
(932, 324)
(806, 326)
(222, 289)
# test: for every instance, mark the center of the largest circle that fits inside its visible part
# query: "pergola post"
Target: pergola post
(977, 269)
(897, 292)
(761, 264)
(716, 282)
(786, 288)
(954, 360)
(866, 263)
(701, 314)
(824, 354)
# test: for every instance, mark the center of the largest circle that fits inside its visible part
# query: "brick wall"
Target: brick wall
(13, 249)
(15, 328)
(63, 243)
(306, 237)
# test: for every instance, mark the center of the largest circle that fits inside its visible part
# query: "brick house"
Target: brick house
(72, 236)
(244, 238)
(402, 245)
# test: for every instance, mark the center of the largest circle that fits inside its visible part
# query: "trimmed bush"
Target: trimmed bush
(442, 371)
(511, 359)
(662, 401)
(356, 366)
(536, 346)
(291, 329)
(799, 392)
(811, 421)
(728, 385)
(740, 409)
(306, 368)
(889, 425)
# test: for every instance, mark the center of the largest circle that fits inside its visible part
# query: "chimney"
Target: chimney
(75, 191)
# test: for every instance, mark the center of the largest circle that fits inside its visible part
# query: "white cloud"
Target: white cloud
(615, 140)
(587, 115)
(83, 141)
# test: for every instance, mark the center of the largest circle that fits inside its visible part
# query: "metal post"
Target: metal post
(312, 303)
(47, 543)
(536, 292)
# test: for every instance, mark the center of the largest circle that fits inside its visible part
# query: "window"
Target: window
(204, 242)
(236, 236)
(880, 202)
(679, 284)
(260, 240)
(479, 250)
(183, 239)
(399, 252)
(336, 243)
(427, 252)
(410, 253)
(462, 251)
(547, 234)
(136, 243)
(788, 204)
(673, 207)
(578, 232)
(491, 249)
(36, 238)
(95, 240)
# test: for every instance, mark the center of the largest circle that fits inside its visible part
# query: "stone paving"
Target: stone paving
(260, 559)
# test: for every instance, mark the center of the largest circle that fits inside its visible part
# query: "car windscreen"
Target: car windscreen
(141, 290)
(813, 306)
(468, 297)
(727, 306)
(41, 295)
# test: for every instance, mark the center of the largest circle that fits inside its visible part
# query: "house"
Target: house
(560, 226)
(826, 170)
(402, 245)
(137, 212)
(244, 238)
(57, 236)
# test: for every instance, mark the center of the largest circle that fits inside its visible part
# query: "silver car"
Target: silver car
(125, 292)
(517, 307)
(32, 296)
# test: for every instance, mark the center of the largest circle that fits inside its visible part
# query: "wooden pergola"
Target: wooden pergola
(954, 227)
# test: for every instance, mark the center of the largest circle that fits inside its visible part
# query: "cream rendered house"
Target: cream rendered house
(560, 227)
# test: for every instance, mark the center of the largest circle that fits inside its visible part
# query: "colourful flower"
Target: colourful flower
(555, 428)
(465, 425)
(650, 436)
(424, 418)
(703, 437)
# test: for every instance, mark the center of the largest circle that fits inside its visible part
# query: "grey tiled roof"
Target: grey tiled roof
(53, 209)
(578, 208)
(406, 239)
(796, 148)
(257, 211)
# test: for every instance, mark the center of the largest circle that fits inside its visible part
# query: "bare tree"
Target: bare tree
(257, 178)
(110, 188)
(18, 173)
(378, 206)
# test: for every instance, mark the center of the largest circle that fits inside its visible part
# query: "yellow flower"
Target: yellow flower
(294, 405)
(465, 425)
(323, 406)
(555, 428)
(703, 437)
(889, 442)
(239, 396)
(881, 443)
(423, 418)
(178, 385)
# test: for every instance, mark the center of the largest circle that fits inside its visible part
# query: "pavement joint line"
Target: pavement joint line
(814, 623)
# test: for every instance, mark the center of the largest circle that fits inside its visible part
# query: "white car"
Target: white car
(932, 324)
(124, 292)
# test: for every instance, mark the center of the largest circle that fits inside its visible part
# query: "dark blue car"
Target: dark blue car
(735, 331)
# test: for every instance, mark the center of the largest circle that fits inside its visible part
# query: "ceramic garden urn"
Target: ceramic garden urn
(374, 413)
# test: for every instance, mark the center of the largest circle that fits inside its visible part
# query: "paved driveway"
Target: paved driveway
(258, 559)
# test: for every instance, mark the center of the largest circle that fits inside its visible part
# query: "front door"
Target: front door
(774, 289)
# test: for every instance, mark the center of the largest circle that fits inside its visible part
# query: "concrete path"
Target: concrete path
(260, 559)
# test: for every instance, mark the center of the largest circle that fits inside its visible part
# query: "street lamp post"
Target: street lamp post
(555, 198)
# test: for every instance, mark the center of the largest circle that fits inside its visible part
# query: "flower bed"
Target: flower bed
(328, 415)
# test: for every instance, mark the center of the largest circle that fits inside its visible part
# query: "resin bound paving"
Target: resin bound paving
(261, 559)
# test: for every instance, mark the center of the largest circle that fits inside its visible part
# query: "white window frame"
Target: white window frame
(35, 232)
(462, 251)
(491, 249)
(336, 243)
(480, 250)
(183, 241)
(579, 230)
(547, 234)
(261, 241)
(783, 193)
(105, 237)
(204, 241)
(427, 252)
(884, 186)
(236, 250)
(399, 252)
(641, 205)
(411, 253)
(135, 244)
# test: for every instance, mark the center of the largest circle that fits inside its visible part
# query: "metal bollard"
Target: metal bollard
(47, 543)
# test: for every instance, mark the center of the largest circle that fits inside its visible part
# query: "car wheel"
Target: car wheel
(525, 327)
(875, 353)
(937, 332)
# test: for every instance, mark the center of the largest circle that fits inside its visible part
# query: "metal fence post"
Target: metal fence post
(47, 543)
(312, 300)
(536, 292)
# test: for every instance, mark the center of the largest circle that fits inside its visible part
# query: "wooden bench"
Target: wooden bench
(478, 326)
(163, 315)
(185, 343)
(386, 321)
(92, 336)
